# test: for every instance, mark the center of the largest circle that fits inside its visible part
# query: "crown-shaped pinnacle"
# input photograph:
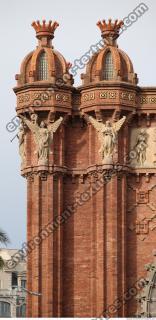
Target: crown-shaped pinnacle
(45, 29)
(110, 26)
(110, 30)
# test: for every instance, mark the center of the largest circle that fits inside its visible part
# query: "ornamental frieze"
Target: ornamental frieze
(148, 99)
(107, 95)
(42, 98)
(23, 98)
(88, 96)
(142, 227)
(35, 98)
(127, 96)
(62, 97)
(143, 147)
(93, 97)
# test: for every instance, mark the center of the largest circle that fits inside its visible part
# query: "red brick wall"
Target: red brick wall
(98, 254)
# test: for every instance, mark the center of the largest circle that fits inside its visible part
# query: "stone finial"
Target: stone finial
(44, 31)
(110, 30)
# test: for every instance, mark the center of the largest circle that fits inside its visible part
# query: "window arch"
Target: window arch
(108, 66)
(5, 310)
(42, 72)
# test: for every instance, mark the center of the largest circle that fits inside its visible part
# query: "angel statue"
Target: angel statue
(22, 142)
(107, 133)
(43, 136)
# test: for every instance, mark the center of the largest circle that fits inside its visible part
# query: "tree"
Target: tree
(4, 239)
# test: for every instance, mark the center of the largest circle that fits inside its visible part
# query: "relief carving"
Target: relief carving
(62, 97)
(142, 197)
(142, 227)
(143, 147)
(148, 99)
(107, 134)
(108, 95)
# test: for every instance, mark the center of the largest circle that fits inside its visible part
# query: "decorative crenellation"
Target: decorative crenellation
(110, 26)
(45, 29)
(110, 30)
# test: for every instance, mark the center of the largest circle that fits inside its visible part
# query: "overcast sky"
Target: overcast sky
(77, 32)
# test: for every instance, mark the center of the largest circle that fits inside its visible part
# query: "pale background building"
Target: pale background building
(12, 284)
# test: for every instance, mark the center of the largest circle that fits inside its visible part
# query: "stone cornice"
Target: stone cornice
(39, 85)
(108, 84)
(65, 171)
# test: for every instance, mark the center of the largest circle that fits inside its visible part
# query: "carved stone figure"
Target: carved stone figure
(108, 137)
(141, 146)
(34, 118)
(21, 136)
(43, 136)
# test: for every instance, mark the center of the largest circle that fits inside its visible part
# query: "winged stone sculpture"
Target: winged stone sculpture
(43, 136)
(107, 134)
(22, 143)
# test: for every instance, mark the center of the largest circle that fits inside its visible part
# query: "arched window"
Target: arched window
(108, 67)
(5, 310)
(42, 73)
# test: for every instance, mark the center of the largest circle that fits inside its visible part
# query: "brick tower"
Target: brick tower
(89, 159)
